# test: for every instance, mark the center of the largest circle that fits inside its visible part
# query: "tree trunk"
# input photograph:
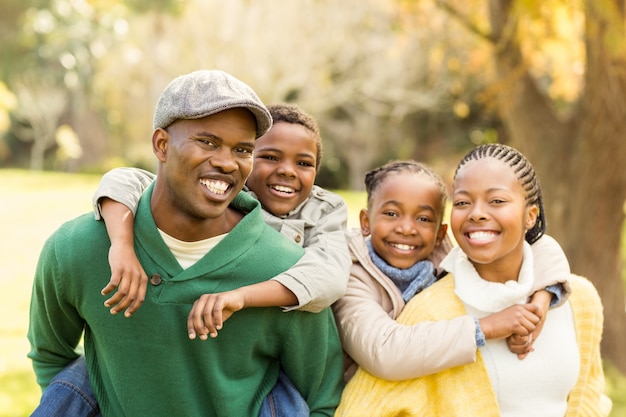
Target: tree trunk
(578, 158)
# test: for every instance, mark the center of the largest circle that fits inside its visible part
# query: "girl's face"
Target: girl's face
(404, 219)
(490, 217)
(284, 167)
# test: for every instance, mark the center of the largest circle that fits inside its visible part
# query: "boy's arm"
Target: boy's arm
(210, 311)
(125, 185)
(116, 200)
(320, 277)
(127, 274)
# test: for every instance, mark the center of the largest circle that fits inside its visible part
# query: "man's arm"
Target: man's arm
(55, 327)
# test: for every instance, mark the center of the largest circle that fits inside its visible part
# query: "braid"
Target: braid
(525, 174)
(375, 177)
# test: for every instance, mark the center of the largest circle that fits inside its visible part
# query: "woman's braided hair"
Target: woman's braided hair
(375, 177)
(526, 176)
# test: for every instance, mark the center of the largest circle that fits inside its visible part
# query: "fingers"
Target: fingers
(130, 294)
(205, 317)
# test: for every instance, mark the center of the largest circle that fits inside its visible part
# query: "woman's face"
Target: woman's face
(490, 217)
(404, 218)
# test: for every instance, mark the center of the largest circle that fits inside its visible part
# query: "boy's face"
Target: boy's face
(404, 219)
(284, 167)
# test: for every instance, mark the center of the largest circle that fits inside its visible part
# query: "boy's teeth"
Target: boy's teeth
(283, 189)
(216, 187)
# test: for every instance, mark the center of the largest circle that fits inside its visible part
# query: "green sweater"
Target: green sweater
(146, 365)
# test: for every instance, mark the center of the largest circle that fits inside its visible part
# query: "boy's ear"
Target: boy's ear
(365, 222)
(160, 139)
(441, 233)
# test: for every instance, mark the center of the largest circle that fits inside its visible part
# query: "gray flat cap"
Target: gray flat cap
(206, 92)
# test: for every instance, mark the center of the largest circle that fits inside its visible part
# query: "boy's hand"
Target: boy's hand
(523, 345)
(128, 277)
(210, 311)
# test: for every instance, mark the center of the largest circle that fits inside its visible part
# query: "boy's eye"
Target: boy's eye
(268, 157)
(390, 213)
(244, 150)
(424, 219)
(305, 164)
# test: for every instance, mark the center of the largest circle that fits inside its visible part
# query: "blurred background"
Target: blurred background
(386, 79)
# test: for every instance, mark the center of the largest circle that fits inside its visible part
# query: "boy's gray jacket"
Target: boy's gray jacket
(318, 224)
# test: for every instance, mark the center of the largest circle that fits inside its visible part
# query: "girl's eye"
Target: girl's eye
(268, 157)
(424, 219)
(305, 164)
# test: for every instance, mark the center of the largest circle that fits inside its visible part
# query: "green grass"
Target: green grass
(32, 206)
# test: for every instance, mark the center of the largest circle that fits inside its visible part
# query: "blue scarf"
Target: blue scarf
(409, 281)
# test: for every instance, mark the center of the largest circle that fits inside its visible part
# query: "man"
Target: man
(195, 233)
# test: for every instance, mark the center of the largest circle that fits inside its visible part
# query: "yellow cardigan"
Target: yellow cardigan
(466, 391)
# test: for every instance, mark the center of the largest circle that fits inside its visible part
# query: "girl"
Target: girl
(496, 215)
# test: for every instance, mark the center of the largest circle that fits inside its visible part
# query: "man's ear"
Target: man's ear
(365, 222)
(160, 139)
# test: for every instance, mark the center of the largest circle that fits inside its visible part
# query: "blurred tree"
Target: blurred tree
(570, 125)
(41, 104)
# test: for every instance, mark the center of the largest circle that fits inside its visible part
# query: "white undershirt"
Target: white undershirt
(188, 253)
(539, 384)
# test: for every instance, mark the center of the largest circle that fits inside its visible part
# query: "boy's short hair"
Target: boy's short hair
(292, 113)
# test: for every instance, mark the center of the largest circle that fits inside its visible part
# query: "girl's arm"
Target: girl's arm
(551, 286)
(393, 351)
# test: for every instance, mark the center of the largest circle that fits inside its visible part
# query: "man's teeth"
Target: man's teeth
(402, 246)
(214, 186)
(283, 189)
(481, 235)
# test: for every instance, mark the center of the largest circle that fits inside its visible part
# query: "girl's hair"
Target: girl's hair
(526, 176)
(375, 177)
(291, 113)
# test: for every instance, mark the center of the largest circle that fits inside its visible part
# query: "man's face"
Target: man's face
(204, 163)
